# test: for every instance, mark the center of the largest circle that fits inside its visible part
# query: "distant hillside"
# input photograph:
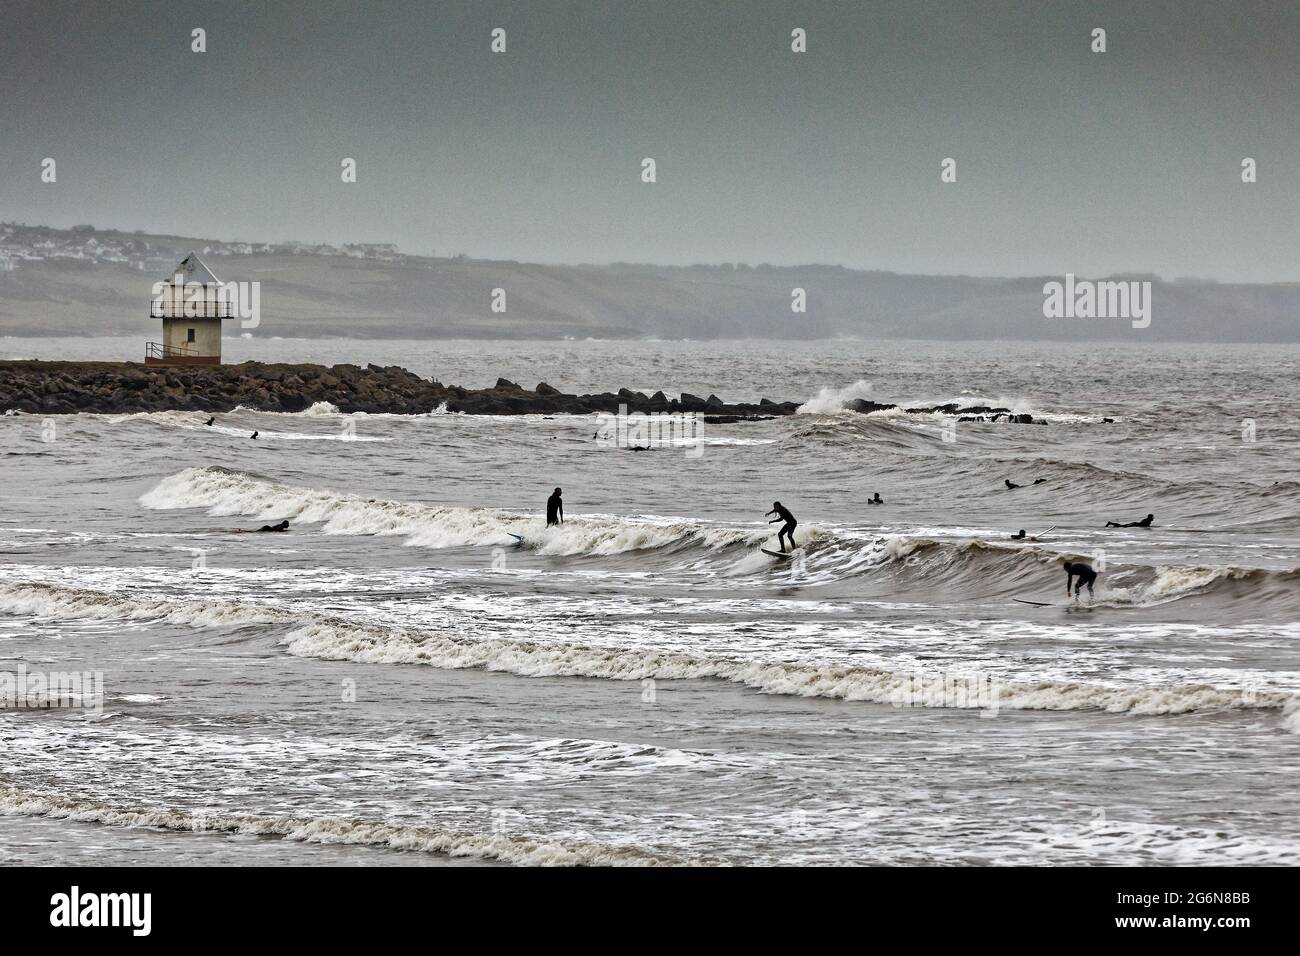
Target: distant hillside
(89, 282)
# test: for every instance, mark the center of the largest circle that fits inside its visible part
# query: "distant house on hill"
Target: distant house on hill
(192, 308)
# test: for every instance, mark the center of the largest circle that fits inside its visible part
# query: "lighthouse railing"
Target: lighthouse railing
(157, 350)
(191, 309)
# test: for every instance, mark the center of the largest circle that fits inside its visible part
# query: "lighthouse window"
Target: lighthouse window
(189, 337)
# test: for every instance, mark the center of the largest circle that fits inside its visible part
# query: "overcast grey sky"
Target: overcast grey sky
(1067, 160)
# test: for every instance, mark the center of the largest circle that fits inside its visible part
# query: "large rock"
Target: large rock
(864, 406)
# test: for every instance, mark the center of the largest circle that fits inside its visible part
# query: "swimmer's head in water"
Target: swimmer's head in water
(1022, 532)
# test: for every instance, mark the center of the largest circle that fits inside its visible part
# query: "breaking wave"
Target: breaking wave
(830, 400)
(224, 492)
(314, 635)
(197, 421)
(886, 565)
(520, 850)
(972, 567)
(52, 601)
(366, 645)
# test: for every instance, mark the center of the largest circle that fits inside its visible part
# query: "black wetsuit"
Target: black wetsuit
(1083, 572)
(554, 510)
(1010, 484)
(282, 526)
(785, 529)
(1144, 523)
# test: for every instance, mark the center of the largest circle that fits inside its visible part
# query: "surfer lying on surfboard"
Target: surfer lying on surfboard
(1144, 523)
(786, 529)
(282, 526)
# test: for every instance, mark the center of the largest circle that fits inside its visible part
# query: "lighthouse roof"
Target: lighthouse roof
(194, 270)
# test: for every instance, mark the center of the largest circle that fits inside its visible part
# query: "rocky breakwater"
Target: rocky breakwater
(52, 388)
(970, 413)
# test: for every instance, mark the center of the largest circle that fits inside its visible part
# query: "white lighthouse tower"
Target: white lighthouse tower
(192, 308)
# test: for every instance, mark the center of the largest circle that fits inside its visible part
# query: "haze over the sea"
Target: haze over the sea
(1068, 160)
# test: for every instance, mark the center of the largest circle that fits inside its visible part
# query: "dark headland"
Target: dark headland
(38, 387)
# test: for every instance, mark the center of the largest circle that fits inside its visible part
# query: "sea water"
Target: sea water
(396, 679)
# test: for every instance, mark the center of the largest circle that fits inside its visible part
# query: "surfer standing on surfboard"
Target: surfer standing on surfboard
(554, 509)
(786, 529)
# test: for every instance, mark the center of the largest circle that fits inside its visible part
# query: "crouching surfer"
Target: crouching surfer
(1085, 574)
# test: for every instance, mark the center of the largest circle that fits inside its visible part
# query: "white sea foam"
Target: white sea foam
(52, 601)
(197, 421)
(521, 850)
(1161, 585)
(226, 493)
(318, 409)
(315, 410)
(830, 400)
(340, 641)
(833, 555)
(331, 638)
(1291, 715)
(180, 419)
(1169, 584)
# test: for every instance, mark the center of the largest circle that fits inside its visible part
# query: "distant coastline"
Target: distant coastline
(97, 283)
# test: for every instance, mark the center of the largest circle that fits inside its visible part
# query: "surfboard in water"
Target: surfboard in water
(1071, 606)
(778, 554)
(519, 538)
